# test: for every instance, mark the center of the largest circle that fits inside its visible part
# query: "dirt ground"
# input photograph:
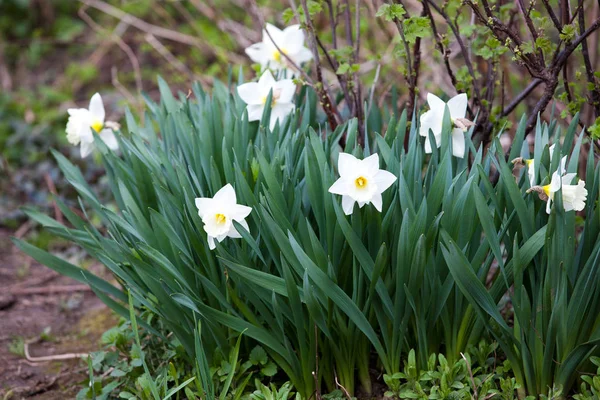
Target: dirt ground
(48, 315)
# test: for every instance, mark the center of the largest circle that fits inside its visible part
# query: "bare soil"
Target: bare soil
(34, 300)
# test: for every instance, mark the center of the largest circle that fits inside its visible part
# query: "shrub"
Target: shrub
(332, 294)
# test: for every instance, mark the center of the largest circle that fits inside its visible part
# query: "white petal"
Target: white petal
(347, 164)
(432, 119)
(238, 212)
(250, 93)
(556, 182)
(458, 106)
(255, 111)
(563, 165)
(426, 121)
(279, 112)
(293, 38)
(97, 108)
(377, 201)
(384, 179)
(548, 208)
(531, 173)
(109, 138)
(302, 55)
(370, 164)
(428, 148)
(286, 88)
(339, 187)
(436, 104)
(458, 143)
(276, 34)
(225, 196)
(256, 52)
(233, 232)
(568, 178)
(86, 148)
(204, 204)
(266, 81)
(551, 150)
(211, 242)
(347, 204)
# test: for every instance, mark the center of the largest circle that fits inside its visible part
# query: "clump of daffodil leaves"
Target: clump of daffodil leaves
(238, 211)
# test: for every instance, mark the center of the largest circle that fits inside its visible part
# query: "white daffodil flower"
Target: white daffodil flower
(81, 123)
(218, 214)
(434, 118)
(573, 196)
(531, 166)
(361, 181)
(290, 41)
(255, 94)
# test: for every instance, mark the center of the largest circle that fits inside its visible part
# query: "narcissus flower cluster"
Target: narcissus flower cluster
(274, 52)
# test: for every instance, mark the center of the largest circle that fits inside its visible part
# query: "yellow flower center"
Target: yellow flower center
(221, 219)
(274, 98)
(360, 182)
(546, 190)
(97, 126)
(277, 55)
(529, 162)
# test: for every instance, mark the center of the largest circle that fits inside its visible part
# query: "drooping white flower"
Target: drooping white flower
(218, 214)
(361, 181)
(573, 196)
(255, 94)
(531, 166)
(81, 123)
(290, 41)
(434, 118)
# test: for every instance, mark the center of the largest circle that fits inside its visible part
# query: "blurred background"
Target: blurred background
(54, 54)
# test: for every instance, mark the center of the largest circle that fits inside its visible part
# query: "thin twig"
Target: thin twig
(324, 99)
(470, 375)
(116, 38)
(341, 387)
(521, 96)
(148, 28)
(56, 357)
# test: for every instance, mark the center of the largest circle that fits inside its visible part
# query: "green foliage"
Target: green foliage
(307, 277)
(391, 12)
(492, 49)
(590, 387)
(118, 370)
(595, 129)
(415, 27)
(465, 379)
